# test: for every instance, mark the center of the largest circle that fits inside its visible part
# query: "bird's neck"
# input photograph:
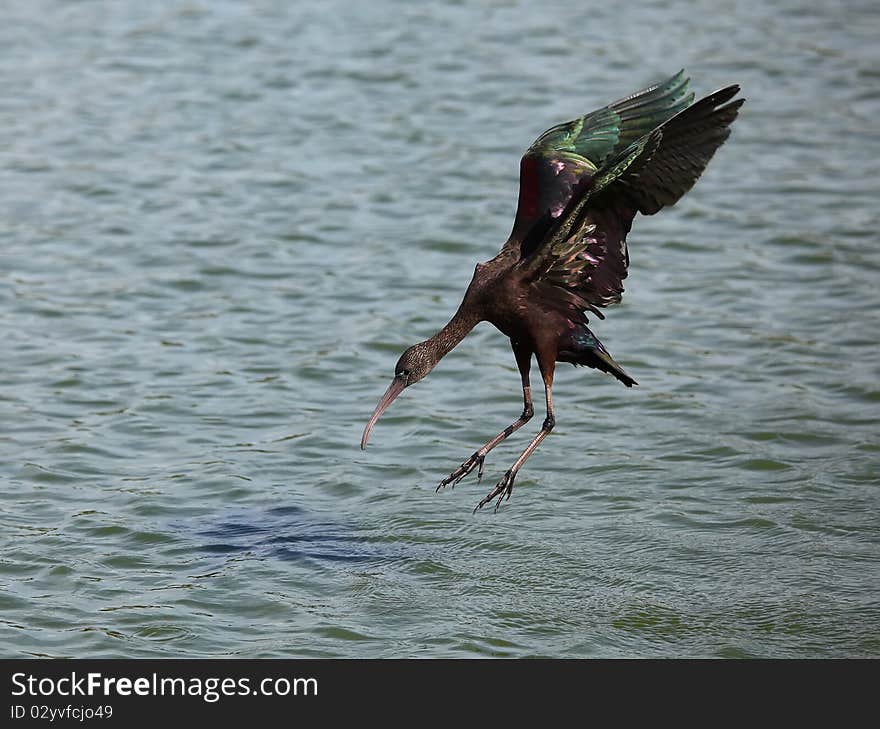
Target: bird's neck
(457, 329)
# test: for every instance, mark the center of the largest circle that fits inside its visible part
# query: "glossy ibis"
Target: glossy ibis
(581, 185)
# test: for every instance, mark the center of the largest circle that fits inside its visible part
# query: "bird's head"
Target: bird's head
(413, 365)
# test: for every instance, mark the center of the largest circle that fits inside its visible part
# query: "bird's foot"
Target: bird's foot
(502, 488)
(463, 470)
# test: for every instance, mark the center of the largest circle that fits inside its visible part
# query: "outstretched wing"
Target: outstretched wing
(563, 156)
(579, 260)
(658, 169)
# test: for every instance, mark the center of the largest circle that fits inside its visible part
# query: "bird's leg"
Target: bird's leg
(523, 360)
(479, 456)
(505, 485)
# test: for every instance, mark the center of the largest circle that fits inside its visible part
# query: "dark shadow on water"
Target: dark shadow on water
(288, 533)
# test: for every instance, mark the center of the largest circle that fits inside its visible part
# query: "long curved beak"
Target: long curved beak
(397, 386)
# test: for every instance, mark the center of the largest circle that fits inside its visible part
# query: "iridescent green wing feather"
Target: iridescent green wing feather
(568, 153)
(579, 261)
(598, 135)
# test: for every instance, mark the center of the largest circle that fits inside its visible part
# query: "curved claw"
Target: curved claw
(463, 470)
(502, 488)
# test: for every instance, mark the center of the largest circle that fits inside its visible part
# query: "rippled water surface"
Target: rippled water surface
(222, 222)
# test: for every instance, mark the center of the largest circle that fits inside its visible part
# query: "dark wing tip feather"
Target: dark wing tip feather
(673, 156)
(708, 105)
(723, 94)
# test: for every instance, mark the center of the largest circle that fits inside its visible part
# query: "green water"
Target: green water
(223, 221)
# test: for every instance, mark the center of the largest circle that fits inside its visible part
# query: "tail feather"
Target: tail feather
(581, 347)
(605, 362)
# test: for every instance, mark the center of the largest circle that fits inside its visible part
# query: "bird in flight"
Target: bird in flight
(581, 185)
